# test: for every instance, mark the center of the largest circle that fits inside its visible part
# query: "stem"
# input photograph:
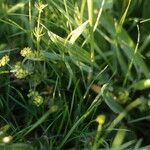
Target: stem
(123, 18)
(132, 60)
(91, 16)
(30, 19)
(82, 10)
(95, 145)
(122, 115)
(38, 31)
(69, 23)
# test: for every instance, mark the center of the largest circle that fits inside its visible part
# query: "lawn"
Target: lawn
(75, 75)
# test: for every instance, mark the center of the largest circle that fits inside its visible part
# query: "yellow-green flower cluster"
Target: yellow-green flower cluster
(40, 6)
(36, 98)
(4, 60)
(26, 52)
(21, 71)
(29, 54)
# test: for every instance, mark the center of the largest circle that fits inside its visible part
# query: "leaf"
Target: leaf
(107, 5)
(146, 9)
(42, 119)
(113, 105)
(108, 23)
(138, 60)
(119, 137)
(142, 84)
(16, 146)
(77, 32)
(16, 7)
(75, 52)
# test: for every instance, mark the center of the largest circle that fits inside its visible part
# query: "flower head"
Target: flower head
(32, 55)
(40, 6)
(4, 60)
(36, 98)
(21, 71)
(100, 119)
(26, 52)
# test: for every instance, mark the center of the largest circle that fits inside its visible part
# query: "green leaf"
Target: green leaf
(17, 146)
(119, 138)
(138, 59)
(146, 9)
(77, 32)
(16, 7)
(75, 52)
(107, 22)
(113, 105)
(42, 119)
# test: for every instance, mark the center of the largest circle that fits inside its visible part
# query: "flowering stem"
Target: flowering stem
(38, 31)
(99, 129)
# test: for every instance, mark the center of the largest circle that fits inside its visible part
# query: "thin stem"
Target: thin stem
(95, 145)
(82, 10)
(91, 16)
(38, 31)
(134, 54)
(122, 115)
(65, 4)
(123, 18)
(99, 15)
(30, 19)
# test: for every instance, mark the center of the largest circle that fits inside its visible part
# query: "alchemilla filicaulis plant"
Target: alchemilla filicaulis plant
(25, 69)
(74, 74)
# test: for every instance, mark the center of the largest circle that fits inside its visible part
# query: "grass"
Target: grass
(74, 75)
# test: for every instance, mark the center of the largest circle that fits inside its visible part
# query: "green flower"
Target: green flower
(38, 100)
(37, 56)
(32, 55)
(26, 52)
(35, 97)
(4, 60)
(21, 71)
(40, 6)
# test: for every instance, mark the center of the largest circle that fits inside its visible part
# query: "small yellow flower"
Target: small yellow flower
(100, 119)
(4, 60)
(26, 52)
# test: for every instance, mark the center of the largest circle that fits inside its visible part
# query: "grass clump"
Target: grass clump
(62, 63)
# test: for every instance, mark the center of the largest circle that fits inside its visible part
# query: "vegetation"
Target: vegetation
(74, 74)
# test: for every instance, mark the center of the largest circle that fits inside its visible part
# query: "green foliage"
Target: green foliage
(66, 66)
